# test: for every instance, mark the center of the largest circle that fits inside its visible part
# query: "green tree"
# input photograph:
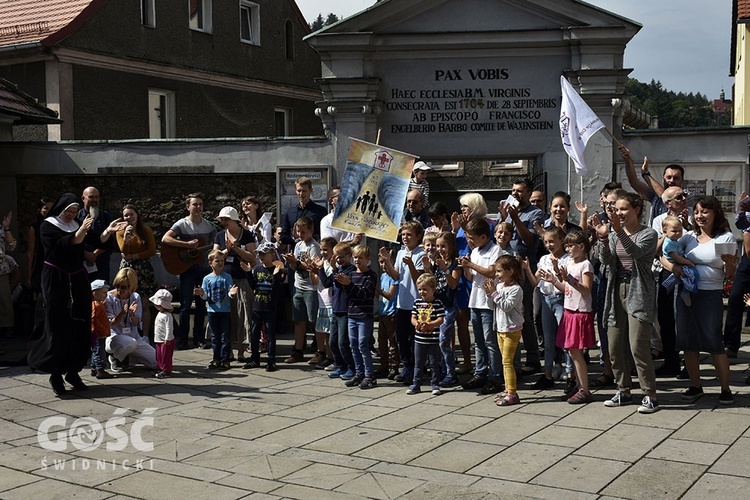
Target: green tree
(320, 23)
(675, 110)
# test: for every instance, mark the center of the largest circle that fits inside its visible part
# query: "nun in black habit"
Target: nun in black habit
(62, 346)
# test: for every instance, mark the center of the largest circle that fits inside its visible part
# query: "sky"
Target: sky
(685, 44)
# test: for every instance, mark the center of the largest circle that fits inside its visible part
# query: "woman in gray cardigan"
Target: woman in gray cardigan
(630, 306)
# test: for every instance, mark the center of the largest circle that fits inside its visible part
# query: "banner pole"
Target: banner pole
(568, 174)
(613, 137)
(377, 141)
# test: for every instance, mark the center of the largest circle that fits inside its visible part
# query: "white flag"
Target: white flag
(577, 124)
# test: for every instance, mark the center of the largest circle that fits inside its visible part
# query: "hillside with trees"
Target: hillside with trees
(675, 110)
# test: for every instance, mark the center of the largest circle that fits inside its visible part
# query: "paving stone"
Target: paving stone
(406, 446)
(305, 493)
(509, 428)
(323, 476)
(409, 417)
(28, 393)
(350, 440)
(51, 489)
(257, 427)
(10, 479)
(397, 398)
(457, 456)
(734, 461)
(250, 483)
(624, 442)
(380, 486)
(511, 489)
(714, 427)
(431, 475)
(248, 405)
(560, 435)
(306, 432)
(270, 466)
(28, 458)
(551, 406)
(151, 484)
(14, 410)
(649, 479)
(672, 418)
(10, 432)
(321, 406)
(485, 407)
(364, 412)
(718, 486)
(328, 458)
(688, 451)
(454, 422)
(521, 462)
(578, 472)
(435, 491)
(596, 416)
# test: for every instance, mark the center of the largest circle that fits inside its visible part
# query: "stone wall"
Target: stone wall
(159, 198)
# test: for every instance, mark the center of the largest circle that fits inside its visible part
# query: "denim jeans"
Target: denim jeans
(485, 345)
(446, 332)
(552, 311)
(220, 324)
(190, 279)
(99, 354)
(339, 342)
(260, 318)
(423, 353)
(360, 331)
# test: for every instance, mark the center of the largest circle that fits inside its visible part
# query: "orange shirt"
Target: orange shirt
(99, 320)
(142, 248)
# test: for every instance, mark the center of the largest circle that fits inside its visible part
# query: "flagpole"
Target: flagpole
(568, 174)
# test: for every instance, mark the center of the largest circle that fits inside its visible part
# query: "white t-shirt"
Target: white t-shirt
(545, 263)
(407, 290)
(483, 257)
(163, 327)
(325, 294)
(302, 250)
(707, 260)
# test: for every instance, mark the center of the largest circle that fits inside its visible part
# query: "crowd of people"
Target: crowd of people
(530, 277)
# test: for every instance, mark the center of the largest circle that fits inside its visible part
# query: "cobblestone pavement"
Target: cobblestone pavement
(295, 433)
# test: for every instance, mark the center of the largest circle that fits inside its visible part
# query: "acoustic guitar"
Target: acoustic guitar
(177, 260)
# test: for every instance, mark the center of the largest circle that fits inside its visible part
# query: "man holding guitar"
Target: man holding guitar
(191, 236)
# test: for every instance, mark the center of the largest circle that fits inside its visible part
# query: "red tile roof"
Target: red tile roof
(24, 21)
(743, 9)
(19, 104)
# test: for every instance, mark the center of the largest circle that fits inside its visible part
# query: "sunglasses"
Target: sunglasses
(679, 197)
(123, 287)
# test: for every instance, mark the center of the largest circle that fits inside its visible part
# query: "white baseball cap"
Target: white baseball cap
(420, 165)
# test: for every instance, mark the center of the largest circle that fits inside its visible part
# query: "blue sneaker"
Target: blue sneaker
(347, 375)
(449, 381)
(335, 373)
(414, 389)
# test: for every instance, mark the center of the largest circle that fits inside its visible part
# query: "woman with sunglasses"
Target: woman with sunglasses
(125, 312)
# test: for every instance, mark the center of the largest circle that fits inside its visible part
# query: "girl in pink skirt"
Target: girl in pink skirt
(576, 330)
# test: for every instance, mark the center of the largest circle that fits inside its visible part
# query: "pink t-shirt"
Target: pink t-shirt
(574, 301)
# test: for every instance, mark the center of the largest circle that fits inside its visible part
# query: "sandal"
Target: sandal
(602, 381)
(509, 399)
(500, 396)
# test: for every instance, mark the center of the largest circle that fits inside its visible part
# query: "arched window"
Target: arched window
(289, 38)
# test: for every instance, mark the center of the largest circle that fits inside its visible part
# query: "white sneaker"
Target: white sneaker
(114, 364)
(331, 367)
(648, 405)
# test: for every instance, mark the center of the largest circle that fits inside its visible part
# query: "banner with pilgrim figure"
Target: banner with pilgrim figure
(373, 191)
